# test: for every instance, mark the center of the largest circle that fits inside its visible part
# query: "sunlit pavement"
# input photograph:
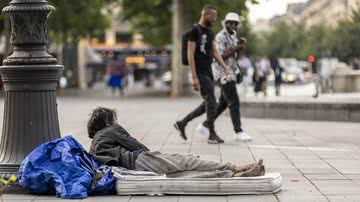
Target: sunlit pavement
(319, 161)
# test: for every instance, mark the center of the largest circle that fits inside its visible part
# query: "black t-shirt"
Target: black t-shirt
(204, 38)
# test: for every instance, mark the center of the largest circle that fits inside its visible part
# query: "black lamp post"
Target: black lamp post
(30, 77)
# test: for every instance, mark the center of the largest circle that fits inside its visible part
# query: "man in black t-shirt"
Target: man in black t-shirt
(201, 52)
(202, 37)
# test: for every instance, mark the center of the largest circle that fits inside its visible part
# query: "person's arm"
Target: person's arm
(230, 52)
(191, 59)
(269, 69)
(108, 152)
(226, 54)
(219, 58)
(115, 156)
(126, 139)
(242, 43)
(108, 68)
(256, 74)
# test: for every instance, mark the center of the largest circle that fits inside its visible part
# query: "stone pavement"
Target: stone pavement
(296, 102)
(319, 161)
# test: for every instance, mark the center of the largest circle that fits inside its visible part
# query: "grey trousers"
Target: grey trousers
(185, 166)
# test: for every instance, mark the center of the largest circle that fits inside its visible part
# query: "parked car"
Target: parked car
(307, 71)
(293, 75)
(292, 72)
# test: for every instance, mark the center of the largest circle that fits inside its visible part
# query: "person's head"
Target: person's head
(231, 22)
(209, 15)
(274, 61)
(100, 118)
(116, 56)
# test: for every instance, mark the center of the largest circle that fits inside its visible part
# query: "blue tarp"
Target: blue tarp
(64, 168)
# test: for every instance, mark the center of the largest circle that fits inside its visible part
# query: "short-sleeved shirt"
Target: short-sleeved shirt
(203, 37)
(224, 41)
(117, 68)
(262, 67)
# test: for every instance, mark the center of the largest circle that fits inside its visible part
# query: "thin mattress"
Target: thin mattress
(159, 185)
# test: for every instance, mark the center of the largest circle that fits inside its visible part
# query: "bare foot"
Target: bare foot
(258, 170)
(247, 167)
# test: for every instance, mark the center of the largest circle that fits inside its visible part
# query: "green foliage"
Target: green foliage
(153, 18)
(293, 40)
(3, 3)
(6, 182)
(74, 19)
(284, 41)
(346, 40)
(251, 38)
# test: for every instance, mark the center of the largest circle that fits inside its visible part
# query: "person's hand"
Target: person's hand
(196, 84)
(242, 41)
(227, 70)
(225, 79)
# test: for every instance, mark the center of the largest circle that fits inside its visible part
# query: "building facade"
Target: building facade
(313, 12)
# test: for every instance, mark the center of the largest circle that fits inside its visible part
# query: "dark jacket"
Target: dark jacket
(113, 146)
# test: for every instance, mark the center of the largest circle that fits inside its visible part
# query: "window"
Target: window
(123, 37)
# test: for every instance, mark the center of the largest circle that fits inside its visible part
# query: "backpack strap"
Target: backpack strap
(199, 31)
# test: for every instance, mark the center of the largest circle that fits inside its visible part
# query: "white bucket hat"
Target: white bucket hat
(232, 17)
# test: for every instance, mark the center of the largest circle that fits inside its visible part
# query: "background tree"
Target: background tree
(3, 3)
(295, 41)
(75, 19)
(317, 42)
(153, 18)
(283, 41)
(345, 39)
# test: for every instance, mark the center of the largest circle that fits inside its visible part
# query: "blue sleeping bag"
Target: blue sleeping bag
(64, 168)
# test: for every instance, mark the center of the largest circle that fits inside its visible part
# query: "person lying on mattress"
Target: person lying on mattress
(112, 145)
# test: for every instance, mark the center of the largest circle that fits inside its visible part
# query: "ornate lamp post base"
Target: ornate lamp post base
(30, 77)
(30, 116)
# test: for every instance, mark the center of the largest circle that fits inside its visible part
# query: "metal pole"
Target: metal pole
(30, 77)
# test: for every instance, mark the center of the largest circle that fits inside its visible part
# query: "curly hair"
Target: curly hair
(100, 118)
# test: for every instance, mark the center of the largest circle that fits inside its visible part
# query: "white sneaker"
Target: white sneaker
(203, 131)
(242, 136)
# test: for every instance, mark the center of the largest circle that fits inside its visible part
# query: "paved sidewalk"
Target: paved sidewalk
(319, 161)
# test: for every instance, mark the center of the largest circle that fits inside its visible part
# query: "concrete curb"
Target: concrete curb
(319, 111)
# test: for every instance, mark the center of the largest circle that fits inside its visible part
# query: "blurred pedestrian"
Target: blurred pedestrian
(316, 79)
(245, 66)
(262, 71)
(278, 70)
(117, 71)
